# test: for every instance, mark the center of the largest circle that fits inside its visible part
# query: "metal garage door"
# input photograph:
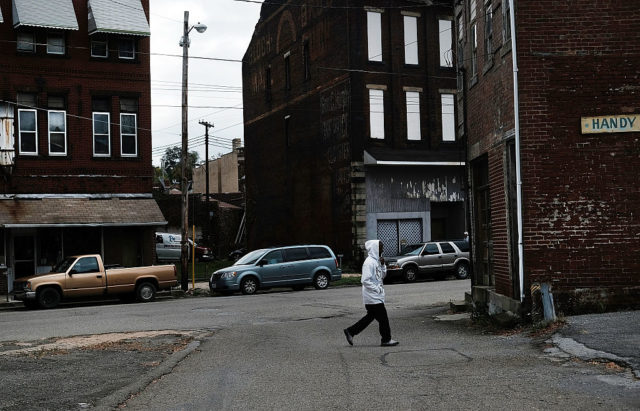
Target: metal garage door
(397, 233)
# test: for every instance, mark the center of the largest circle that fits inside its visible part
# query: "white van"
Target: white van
(168, 247)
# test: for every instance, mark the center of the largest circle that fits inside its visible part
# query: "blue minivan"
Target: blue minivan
(292, 266)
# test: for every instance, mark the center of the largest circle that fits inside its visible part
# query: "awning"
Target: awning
(390, 157)
(80, 212)
(122, 16)
(56, 14)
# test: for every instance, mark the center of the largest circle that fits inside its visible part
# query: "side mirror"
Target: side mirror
(262, 263)
(73, 271)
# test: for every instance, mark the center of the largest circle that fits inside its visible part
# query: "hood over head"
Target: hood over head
(373, 249)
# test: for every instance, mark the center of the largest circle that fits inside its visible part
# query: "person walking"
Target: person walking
(373, 272)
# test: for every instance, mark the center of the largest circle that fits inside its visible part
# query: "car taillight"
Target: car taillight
(336, 260)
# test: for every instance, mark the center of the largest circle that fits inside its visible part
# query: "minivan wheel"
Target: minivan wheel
(249, 286)
(410, 274)
(321, 281)
(462, 271)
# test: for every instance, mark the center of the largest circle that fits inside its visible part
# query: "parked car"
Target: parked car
(85, 276)
(168, 248)
(293, 266)
(434, 258)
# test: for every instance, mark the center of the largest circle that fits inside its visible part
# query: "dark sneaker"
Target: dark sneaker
(349, 336)
(389, 343)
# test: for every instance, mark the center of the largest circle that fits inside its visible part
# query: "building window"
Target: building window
(488, 32)
(473, 7)
(57, 133)
(25, 42)
(460, 50)
(474, 50)
(287, 70)
(448, 117)
(99, 48)
(413, 115)
(410, 40)
(28, 131)
(374, 35)
(446, 42)
(126, 49)
(101, 135)
(128, 134)
(305, 60)
(376, 113)
(55, 43)
(506, 21)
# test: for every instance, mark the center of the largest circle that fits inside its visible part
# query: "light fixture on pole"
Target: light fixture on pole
(185, 43)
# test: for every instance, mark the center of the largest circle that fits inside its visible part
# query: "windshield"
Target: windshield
(250, 258)
(412, 249)
(63, 265)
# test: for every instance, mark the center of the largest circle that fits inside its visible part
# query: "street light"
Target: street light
(184, 43)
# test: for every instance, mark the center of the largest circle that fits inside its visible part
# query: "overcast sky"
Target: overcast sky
(215, 85)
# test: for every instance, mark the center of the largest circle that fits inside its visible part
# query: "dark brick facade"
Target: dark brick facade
(581, 228)
(305, 144)
(77, 78)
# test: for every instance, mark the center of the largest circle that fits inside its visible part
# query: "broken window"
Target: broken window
(410, 40)
(374, 35)
(376, 113)
(446, 42)
(413, 115)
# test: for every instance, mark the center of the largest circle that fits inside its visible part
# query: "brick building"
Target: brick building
(579, 185)
(349, 125)
(75, 137)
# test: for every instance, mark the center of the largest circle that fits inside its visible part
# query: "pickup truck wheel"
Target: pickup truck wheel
(321, 281)
(49, 298)
(462, 271)
(249, 286)
(410, 274)
(145, 292)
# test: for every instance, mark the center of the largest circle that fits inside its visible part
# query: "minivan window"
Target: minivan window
(274, 257)
(447, 248)
(319, 252)
(431, 248)
(296, 254)
(250, 258)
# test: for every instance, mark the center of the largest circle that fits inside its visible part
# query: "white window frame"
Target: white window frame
(93, 117)
(445, 39)
(106, 48)
(135, 135)
(60, 36)
(376, 113)
(506, 21)
(488, 31)
(474, 49)
(133, 48)
(410, 40)
(35, 132)
(374, 35)
(414, 132)
(448, 116)
(64, 113)
(32, 42)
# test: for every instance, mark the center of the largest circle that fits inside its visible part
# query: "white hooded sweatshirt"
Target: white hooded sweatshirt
(372, 274)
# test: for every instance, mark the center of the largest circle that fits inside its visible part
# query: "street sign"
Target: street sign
(611, 124)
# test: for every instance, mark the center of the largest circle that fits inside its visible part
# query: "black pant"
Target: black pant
(374, 312)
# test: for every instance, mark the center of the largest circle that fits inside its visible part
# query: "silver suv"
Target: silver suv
(433, 258)
(294, 266)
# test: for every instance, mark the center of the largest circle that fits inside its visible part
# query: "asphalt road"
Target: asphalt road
(286, 350)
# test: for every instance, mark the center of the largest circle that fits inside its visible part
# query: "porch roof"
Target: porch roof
(123, 17)
(80, 212)
(389, 157)
(56, 14)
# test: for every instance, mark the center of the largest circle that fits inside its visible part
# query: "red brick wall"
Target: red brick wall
(78, 77)
(580, 192)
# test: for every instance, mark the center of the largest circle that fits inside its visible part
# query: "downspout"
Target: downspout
(516, 114)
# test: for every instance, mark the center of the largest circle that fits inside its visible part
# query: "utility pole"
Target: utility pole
(206, 156)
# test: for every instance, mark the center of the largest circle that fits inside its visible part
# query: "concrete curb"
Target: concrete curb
(112, 401)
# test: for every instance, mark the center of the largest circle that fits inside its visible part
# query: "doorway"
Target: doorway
(24, 247)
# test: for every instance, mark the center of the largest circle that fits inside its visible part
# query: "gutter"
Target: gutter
(516, 114)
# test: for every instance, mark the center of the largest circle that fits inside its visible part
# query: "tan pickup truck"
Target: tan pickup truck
(85, 276)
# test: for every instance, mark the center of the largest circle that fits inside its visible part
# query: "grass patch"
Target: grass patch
(346, 281)
(203, 270)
